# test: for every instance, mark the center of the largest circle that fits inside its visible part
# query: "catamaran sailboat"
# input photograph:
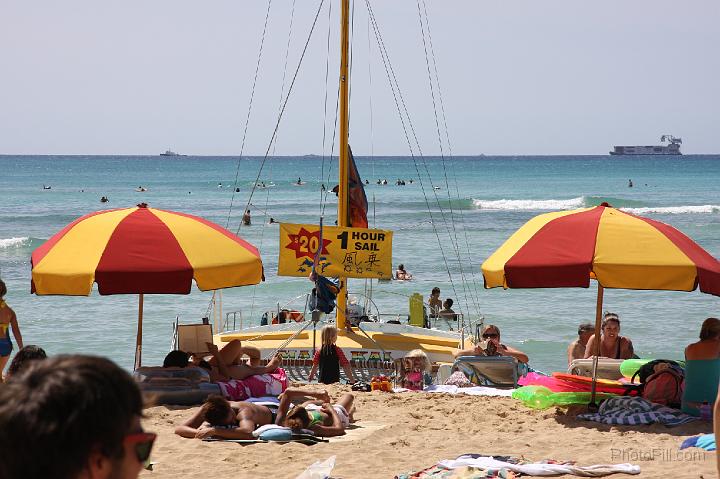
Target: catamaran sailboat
(366, 336)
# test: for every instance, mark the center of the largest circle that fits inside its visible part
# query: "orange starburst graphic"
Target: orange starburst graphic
(305, 243)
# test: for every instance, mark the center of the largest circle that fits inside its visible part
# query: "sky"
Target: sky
(516, 78)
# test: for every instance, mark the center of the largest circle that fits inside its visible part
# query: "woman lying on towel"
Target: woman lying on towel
(492, 346)
(221, 418)
(317, 415)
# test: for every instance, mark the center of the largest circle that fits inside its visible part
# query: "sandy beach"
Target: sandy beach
(401, 432)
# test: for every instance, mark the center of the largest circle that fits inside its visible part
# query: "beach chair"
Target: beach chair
(193, 338)
(492, 371)
(607, 368)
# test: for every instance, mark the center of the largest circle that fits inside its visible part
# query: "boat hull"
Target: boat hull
(375, 342)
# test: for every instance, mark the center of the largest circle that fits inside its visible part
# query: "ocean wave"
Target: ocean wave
(675, 210)
(20, 242)
(529, 205)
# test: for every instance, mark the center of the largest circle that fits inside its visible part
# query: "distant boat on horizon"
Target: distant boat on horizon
(170, 153)
(672, 148)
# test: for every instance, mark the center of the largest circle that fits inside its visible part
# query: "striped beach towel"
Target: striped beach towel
(631, 411)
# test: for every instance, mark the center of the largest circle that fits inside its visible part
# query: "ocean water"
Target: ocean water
(490, 197)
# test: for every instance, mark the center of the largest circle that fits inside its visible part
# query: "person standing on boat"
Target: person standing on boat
(434, 302)
(8, 321)
(329, 358)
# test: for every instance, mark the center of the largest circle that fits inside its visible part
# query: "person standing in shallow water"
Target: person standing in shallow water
(8, 321)
(246, 218)
(576, 350)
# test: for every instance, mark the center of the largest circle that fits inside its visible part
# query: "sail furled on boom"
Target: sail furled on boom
(358, 203)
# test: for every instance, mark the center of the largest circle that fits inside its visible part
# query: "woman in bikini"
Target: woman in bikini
(612, 345)
(317, 415)
(8, 320)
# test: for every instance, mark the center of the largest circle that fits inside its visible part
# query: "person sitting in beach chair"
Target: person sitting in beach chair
(491, 346)
(702, 368)
(576, 350)
(316, 415)
(612, 345)
(221, 418)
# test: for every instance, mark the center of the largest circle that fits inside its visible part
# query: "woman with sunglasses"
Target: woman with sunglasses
(612, 345)
(493, 346)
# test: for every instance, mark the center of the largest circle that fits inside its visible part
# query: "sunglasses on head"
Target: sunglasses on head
(490, 335)
(142, 443)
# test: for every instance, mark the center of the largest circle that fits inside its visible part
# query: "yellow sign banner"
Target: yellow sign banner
(347, 252)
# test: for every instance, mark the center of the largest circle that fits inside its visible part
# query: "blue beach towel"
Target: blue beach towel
(703, 441)
(632, 411)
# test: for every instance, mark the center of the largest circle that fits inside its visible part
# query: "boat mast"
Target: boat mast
(343, 146)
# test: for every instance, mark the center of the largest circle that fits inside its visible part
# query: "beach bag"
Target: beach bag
(665, 387)
(648, 369)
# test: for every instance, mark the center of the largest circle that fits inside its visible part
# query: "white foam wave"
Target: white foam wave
(674, 210)
(569, 204)
(13, 242)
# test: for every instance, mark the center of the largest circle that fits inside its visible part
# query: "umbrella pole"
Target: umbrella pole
(598, 317)
(138, 340)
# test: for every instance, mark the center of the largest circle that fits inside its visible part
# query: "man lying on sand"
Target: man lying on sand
(219, 417)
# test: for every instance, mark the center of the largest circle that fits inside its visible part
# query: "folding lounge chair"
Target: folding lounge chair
(192, 338)
(607, 368)
(493, 371)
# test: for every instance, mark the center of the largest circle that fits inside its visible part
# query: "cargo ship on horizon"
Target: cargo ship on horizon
(671, 148)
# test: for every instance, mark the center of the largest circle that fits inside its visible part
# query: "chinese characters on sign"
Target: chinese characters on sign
(347, 252)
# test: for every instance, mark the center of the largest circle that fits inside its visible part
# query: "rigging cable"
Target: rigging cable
(247, 118)
(267, 192)
(394, 84)
(449, 144)
(287, 97)
(454, 243)
(327, 73)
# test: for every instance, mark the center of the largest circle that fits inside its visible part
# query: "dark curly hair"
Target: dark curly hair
(55, 414)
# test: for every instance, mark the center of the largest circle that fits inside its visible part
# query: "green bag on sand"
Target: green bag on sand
(540, 397)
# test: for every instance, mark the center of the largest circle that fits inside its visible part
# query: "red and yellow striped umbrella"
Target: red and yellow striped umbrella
(143, 250)
(618, 249)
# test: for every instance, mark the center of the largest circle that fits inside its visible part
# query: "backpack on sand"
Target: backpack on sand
(662, 382)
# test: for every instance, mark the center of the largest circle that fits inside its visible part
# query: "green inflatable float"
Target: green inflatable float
(630, 366)
(540, 397)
